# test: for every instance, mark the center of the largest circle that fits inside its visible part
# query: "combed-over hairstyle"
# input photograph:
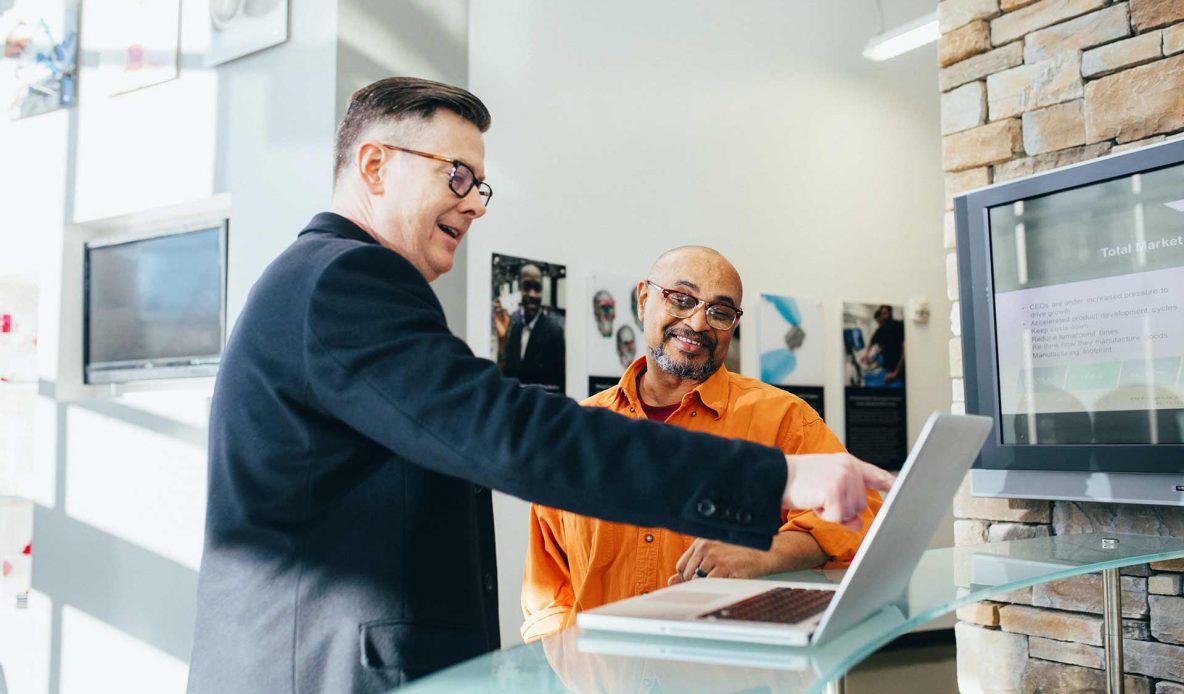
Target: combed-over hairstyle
(398, 98)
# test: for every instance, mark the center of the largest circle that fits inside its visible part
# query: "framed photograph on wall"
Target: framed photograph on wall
(527, 332)
(876, 413)
(39, 63)
(242, 27)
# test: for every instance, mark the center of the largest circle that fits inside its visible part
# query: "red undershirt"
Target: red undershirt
(659, 414)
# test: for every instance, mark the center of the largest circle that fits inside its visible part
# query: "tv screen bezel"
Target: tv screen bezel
(191, 366)
(976, 294)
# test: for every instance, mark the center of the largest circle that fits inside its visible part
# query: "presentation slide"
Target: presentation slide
(1114, 343)
(1089, 316)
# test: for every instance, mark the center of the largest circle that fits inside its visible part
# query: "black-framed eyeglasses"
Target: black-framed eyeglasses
(683, 305)
(461, 180)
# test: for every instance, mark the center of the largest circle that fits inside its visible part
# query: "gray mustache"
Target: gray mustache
(701, 337)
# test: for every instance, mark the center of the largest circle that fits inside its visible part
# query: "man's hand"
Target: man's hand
(501, 319)
(833, 485)
(720, 560)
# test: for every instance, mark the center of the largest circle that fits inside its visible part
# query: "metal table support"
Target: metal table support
(1112, 624)
(838, 685)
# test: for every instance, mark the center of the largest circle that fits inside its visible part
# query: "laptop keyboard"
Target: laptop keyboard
(778, 606)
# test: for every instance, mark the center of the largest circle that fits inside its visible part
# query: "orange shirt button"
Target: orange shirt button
(649, 538)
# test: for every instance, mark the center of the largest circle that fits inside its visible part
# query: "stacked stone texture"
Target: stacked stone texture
(1028, 86)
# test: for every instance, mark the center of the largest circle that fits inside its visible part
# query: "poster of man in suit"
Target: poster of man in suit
(528, 320)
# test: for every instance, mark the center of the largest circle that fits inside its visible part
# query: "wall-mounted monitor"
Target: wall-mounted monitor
(1072, 292)
(154, 306)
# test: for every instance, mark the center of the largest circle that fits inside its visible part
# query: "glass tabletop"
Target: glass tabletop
(945, 579)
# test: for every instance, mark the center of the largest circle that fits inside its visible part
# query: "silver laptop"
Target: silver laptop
(698, 652)
(796, 613)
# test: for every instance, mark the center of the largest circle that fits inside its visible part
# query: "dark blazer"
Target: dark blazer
(544, 361)
(353, 439)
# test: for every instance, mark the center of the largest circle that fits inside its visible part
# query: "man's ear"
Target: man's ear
(643, 294)
(370, 159)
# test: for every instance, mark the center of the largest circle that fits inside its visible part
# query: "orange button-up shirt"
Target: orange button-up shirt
(575, 562)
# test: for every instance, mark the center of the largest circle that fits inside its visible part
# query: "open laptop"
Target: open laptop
(699, 652)
(801, 613)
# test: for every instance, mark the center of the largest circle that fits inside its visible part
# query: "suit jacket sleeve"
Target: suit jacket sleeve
(382, 361)
(556, 369)
(511, 357)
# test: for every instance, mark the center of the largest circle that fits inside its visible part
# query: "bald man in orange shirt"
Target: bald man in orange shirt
(689, 307)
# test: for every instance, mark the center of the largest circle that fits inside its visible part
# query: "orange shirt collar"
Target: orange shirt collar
(712, 393)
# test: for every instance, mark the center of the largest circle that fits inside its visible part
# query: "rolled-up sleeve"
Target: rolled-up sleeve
(838, 542)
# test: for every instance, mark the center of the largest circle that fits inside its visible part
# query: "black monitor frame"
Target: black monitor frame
(976, 293)
(189, 366)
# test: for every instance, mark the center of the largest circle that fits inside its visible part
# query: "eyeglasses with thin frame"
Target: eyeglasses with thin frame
(461, 180)
(683, 305)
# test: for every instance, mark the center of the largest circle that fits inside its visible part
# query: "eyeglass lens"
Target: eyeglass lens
(718, 316)
(463, 179)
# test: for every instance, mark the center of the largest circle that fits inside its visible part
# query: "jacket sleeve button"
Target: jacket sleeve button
(707, 507)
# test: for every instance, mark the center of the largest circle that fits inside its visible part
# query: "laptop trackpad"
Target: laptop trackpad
(682, 597)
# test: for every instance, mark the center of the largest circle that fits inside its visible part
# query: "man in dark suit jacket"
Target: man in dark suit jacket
(542, 361)
(354, 439)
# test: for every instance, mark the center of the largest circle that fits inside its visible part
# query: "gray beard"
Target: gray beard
(691, 373)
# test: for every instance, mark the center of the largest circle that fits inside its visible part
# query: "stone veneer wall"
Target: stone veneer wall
(1029, 86)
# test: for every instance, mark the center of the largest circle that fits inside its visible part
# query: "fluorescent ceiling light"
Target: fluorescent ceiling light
(903, 38)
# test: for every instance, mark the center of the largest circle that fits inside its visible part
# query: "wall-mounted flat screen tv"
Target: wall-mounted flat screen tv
(154, 307)
(1072, 288)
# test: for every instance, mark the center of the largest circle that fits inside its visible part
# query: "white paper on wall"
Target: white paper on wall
(614, 334)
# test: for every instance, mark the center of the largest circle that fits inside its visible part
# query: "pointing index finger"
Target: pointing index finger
(876, 478)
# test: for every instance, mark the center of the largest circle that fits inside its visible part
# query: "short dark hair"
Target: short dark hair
(397, 98)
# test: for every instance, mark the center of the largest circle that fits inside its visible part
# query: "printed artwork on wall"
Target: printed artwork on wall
(527, 329)
(18, 329)
(18, 388)
(791, 347)
(138, 42)
(613, 335)
(873, 345)
(241, 27)
(874, 351)
(39, 65)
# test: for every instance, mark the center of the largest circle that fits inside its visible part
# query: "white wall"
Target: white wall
(622, 129)
(120, 489)
(420, 38)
